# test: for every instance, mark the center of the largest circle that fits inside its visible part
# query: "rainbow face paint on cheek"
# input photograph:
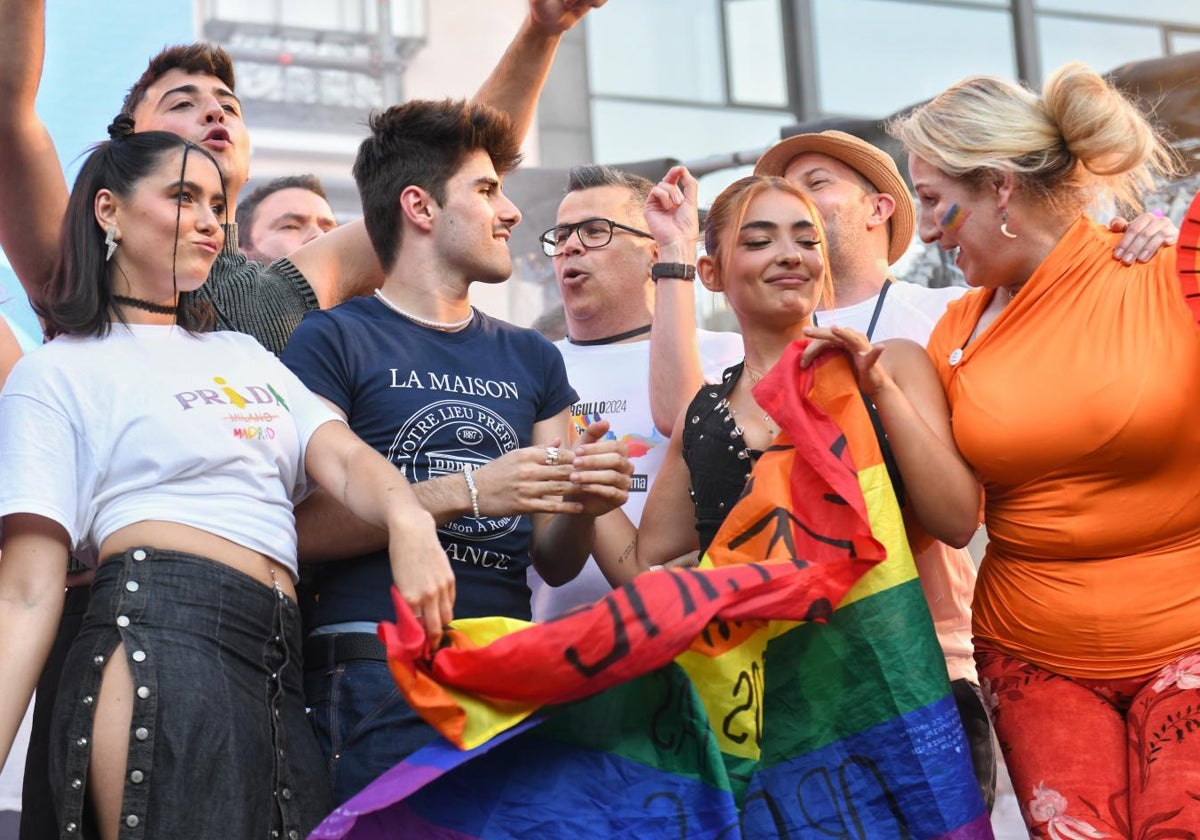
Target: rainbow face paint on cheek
(953, 218)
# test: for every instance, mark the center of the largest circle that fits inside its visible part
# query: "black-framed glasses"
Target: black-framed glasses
(592, 233)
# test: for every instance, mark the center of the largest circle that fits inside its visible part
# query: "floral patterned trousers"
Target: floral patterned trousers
(1099, 758)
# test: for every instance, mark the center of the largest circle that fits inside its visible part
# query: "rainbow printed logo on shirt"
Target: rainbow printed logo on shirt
(253, 416)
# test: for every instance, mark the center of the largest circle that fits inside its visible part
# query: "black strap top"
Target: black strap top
(720, 462)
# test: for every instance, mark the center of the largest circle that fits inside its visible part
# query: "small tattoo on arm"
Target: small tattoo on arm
(628, 550)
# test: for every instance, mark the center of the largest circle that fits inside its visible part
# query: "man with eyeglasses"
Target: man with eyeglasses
(604, 261)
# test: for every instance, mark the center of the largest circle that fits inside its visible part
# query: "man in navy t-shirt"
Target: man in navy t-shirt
(473, 411)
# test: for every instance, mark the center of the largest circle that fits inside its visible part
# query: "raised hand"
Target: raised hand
(863, 355)
(672, 210)
(554, 17)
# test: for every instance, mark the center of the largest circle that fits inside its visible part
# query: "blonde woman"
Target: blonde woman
(1073, 391)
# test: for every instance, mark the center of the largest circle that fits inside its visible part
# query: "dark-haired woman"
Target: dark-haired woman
(173, 455)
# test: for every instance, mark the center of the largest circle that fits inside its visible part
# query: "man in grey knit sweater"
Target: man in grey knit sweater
(189, 90)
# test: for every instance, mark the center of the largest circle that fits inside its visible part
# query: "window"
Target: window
(1159, 11)
(1101, 46)
(875, 57)
(356, 16)
(754, 47)
(1182, 42)
(630, 131)
(667, 49)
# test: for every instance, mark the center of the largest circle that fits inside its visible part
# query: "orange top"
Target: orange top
(1077, 407)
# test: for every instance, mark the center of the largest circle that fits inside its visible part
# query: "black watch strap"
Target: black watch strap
(673, 271)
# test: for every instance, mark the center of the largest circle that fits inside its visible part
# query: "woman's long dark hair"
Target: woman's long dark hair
(78, 298)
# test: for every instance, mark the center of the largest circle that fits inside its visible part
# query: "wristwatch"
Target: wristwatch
(673, 271)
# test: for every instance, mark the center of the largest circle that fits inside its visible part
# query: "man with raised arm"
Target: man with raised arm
(189, 89)
(604, 264)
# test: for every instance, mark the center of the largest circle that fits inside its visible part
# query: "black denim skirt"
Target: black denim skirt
(219, 745)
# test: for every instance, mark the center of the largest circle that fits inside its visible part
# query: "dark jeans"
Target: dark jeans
(363, 724)
(978, 727)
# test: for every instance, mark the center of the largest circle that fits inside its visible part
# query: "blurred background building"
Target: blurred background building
(644, 83)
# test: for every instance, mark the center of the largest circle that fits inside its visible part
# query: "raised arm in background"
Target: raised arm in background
(33, 190)
(341, 264)
(675, 370)
(10, 350)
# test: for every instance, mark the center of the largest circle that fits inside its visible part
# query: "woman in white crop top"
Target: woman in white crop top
(174, 456)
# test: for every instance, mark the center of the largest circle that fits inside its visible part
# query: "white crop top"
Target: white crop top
(152, 423)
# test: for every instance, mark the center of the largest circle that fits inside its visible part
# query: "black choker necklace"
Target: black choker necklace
(138, 303)
(609, 339)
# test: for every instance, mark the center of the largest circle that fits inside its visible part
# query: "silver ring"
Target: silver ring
(552, 456)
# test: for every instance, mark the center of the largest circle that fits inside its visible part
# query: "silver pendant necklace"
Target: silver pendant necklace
(444, 326)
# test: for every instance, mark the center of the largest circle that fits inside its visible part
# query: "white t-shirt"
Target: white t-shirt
(909, 311)
(151, 423)
(613, 382)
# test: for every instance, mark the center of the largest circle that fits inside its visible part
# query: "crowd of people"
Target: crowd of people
(248, 423)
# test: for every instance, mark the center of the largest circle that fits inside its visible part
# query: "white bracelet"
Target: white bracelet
(472, 489)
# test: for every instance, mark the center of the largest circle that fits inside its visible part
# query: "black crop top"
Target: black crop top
(720, 462)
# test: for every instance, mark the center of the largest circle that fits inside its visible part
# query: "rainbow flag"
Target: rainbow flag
(790, 687)
(1187, 257)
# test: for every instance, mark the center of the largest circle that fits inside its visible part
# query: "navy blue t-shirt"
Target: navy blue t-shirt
(431, 402)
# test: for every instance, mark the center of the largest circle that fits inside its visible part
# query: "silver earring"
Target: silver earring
(110, 239)
(1004, 225)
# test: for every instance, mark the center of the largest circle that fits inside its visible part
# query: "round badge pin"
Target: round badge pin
(956, 356)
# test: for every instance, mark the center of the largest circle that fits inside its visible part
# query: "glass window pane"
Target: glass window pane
(408, 16)
(315, 14)
(1182, 42)
(858, 75)
(1177, 11)
(242, 11)
(628, 131)
(754, 44)
(1101, 46)
(629, 56)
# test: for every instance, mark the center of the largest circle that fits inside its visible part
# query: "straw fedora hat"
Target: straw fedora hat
(872, 163)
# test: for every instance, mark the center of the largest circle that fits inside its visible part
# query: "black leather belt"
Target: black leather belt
(326, 651)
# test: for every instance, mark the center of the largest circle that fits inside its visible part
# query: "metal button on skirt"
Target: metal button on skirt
(219, 745)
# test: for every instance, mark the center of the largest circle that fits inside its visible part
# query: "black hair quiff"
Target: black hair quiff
(206, 59)
(423, 143)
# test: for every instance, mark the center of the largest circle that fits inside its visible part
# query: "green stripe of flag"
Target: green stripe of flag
(877, 659)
